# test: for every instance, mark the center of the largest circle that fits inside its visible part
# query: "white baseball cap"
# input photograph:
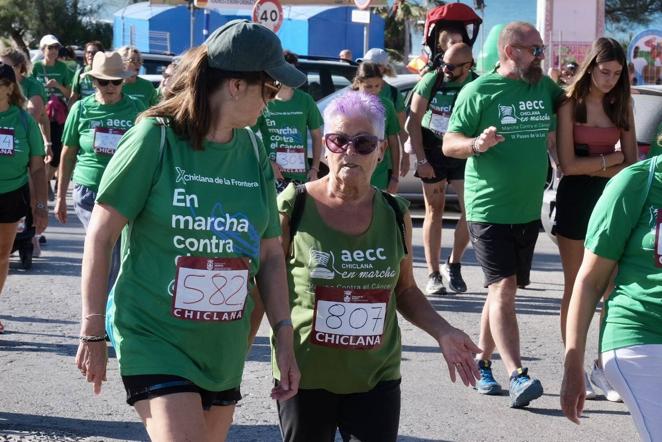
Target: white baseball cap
(47, 40)
(376, 55)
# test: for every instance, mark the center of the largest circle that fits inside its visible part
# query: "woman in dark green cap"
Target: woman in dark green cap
(195, 190)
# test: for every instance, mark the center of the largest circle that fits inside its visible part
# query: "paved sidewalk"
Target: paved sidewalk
(44, 398)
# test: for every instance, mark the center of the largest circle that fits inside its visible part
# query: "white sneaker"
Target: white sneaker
(599, 380)
(590, 393)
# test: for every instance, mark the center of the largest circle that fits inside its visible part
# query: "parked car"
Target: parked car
(647, 116)
(326, 75)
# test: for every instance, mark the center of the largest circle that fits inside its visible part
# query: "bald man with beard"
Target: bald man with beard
(500, 124)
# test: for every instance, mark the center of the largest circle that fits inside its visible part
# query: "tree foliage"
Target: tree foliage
(25, 21)
(397, 20)
(623, 13)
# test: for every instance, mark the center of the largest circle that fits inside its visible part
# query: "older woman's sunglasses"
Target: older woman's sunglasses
(339, 143)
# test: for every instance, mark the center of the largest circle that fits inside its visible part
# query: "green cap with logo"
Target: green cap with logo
(243, 46)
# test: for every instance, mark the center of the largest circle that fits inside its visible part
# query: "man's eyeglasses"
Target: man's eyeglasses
(452, 67)
(270, 89)
(104, 83)
(536, 51)
(339, 143)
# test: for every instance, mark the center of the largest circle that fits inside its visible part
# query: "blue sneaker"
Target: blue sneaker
(486, 384)
(523, 389)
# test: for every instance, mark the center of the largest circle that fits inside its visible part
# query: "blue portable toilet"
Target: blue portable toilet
(162, 29)
(307, 30)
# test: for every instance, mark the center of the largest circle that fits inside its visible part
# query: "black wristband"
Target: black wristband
(280, 324)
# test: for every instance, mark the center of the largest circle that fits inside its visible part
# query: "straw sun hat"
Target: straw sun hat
(108, 66)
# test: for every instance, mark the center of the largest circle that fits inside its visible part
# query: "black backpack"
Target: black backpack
(300, 203)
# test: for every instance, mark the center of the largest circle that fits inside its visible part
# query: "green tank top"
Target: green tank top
(346, 334)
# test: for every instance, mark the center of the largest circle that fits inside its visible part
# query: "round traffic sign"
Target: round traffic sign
(362, 4)
(268, 13)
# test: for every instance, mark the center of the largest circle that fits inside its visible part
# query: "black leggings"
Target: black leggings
(314, 415)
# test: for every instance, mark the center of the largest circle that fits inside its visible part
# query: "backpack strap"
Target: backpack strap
(251, 135)
(297, 209)
(399, 217)
(162, 122)
(23, 116)
(300, 203)
(394, 94)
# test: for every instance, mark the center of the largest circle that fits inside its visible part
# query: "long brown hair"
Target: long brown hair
(365, 71)
(616, 102)
(187, 106)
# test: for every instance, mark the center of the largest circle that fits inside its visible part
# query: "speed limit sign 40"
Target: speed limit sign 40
(268, 13)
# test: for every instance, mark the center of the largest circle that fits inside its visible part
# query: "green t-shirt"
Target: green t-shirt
(59, 71)
(143, 90)
(20, 140)
(388, 92)
(95, 129)
(623, 228)
(505, 184)
(284, 128)
(346, 334)
(31, 88)
(439, 110)
(83, 86)
(656, 143)
(381, 175)
(200, 205)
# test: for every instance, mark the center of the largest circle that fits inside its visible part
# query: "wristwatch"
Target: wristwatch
(41, 206)
(421, 162)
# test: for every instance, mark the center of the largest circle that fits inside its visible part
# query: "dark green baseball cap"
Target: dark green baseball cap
(243, 46)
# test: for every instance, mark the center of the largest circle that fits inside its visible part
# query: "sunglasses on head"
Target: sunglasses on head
(339, 143)
(536, 51)
(107, 82)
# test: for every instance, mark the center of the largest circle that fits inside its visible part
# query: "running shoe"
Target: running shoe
(590, 393)
(435, 285)
(42, 239)
(487, 384)
(599, 380)
(523, 389)
(453, 274)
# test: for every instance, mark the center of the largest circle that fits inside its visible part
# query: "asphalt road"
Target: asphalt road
(43, 396)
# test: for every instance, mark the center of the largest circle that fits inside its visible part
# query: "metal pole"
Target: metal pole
(192, 24)
(366, 36)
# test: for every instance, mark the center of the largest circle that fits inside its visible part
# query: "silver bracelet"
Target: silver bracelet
(474, 148)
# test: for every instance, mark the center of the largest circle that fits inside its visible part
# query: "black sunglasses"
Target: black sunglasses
(339, 143)
(452, 67)
(106, 82)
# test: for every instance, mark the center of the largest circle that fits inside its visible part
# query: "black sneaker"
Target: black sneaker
(453, 274)
(42, 239)
(435, 285)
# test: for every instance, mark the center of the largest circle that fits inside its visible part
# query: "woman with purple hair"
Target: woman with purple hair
(349, 271)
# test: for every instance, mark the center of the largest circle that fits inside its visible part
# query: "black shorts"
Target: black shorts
(149, 386)
(576, 197)
(445, 168)
(56, 141)
(504, 250)
(314, 415)
(15, 205)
